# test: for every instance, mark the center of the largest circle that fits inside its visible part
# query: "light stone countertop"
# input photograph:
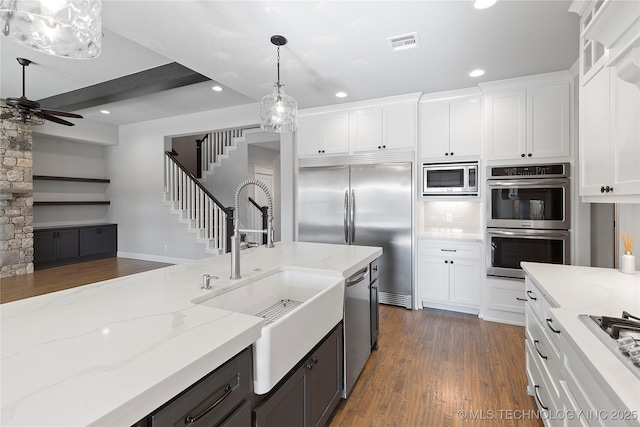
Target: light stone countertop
(596, 291)
(451, 234)
(111, 352)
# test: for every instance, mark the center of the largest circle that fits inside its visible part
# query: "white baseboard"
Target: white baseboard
(154, 258)
(500, 316)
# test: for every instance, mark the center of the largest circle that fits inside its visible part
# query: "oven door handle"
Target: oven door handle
(534, 182)
(537, 233)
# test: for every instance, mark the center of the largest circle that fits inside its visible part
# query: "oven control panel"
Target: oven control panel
(558, 170)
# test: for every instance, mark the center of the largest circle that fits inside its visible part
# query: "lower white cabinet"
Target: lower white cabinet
(449, 275)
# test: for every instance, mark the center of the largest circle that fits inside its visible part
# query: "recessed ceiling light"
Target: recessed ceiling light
(105, 111)
(476, 73)
(216, 88)
(341, 94)
(484, 4)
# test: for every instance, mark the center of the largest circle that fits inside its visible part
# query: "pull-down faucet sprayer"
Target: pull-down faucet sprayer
(235, 239)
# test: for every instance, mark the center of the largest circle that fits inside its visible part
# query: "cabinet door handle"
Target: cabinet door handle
(446, 261)
(535, 344)
(446, 154)
(602, 189)
(535, 391)
(522, 155)
(532, 296)
(190, 420)
(452, 153)
(529, 155)
(550, 325)
(521, 299)
(451, 261)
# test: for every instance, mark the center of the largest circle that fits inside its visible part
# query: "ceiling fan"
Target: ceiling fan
(28, 111)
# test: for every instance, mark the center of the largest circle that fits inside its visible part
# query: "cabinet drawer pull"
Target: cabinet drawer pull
(550, 325)
(535, 344)
(532, 295)
(521, 299)
(190, 420)
(535, 391)
(448, 250)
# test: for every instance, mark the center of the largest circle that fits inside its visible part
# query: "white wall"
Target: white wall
(629, 222)
(57, 157)
(136, 167)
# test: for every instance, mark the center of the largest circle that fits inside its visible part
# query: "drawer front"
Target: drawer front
(510, 298)
(537, 384)
(212, 399)
(451, 250)
(551, 326)
(534, 298)
(547, 356)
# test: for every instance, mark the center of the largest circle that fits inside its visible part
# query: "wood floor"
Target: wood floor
(431, 364)
(434, 368)
(69, 276)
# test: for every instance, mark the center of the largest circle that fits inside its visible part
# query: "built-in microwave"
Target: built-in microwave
(450, 179)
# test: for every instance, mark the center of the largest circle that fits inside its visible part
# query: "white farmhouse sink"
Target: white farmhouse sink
(312, 304)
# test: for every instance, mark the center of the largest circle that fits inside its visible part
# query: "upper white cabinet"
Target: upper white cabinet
(531, 122)
(450, 129)
(609, 103)
(381, 128)
(359, 127)
(323, 134)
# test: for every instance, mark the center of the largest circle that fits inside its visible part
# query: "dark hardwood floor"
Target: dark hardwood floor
(434, 368)
(440, 368)
(69, 276)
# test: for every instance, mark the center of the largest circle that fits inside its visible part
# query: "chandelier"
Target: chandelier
(278, 110)
(67, 28)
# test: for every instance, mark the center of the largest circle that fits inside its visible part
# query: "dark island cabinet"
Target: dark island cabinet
(53, 246)
(309, 395)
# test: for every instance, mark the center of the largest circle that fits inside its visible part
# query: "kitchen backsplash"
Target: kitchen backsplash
(463, 216)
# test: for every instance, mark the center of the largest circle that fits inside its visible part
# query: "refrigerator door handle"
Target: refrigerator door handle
(353, 216)
(346, 216)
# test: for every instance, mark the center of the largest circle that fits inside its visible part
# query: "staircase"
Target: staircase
(195, 206)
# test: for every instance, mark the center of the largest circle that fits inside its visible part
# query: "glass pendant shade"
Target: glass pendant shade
(278, 111)
(67, 28)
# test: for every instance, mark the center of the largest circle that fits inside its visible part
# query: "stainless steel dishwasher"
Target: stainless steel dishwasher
(357, 327)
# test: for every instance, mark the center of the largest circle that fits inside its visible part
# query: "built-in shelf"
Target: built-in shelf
(68, 178)
(98, 202)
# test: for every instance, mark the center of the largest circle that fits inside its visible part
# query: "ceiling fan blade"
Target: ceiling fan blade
(53, 118)
(60, 113)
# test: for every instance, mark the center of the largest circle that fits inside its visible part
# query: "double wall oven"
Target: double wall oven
(528, 217)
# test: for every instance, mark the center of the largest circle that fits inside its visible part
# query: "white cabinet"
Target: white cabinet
(609, 137)
(450, 129)
(382, 128)
(449, 275)
(529, 123)
(385, 124)
(323, 134)
(609, 102)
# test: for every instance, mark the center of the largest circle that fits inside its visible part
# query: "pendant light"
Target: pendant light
(278, 110)
(67, 28)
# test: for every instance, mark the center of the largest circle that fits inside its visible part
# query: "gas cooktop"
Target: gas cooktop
(621, 335)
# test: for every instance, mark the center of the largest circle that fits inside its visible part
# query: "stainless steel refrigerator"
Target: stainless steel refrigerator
(367, 205)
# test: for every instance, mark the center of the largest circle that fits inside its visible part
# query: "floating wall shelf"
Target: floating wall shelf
(99, 202)
(71, 179)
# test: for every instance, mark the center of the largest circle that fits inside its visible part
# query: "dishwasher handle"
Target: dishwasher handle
(358, 276)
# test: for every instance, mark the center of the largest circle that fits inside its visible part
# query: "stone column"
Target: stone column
(16, 199)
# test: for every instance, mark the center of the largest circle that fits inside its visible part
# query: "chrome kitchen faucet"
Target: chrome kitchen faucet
(235, 239)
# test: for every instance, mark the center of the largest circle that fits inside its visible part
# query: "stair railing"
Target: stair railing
(200, 206)
(215, 144)
(264, 210)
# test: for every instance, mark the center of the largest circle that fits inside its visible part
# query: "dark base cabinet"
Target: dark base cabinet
(309, 395)
(221, 399)
(67, 245)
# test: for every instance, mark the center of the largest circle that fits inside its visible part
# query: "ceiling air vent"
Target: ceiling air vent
(404, 42)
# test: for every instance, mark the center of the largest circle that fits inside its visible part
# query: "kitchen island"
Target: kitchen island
(110, 353)
(581, 374)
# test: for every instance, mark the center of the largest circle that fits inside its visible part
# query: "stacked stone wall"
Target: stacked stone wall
(16, 199)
